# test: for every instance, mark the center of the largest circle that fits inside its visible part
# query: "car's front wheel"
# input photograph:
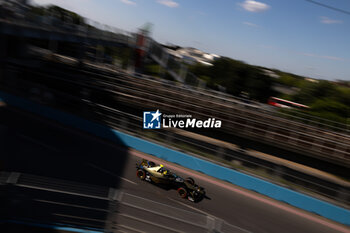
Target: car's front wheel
(182, 192)
(141, 174)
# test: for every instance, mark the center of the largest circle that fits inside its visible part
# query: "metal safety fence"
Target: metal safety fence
(74, 205)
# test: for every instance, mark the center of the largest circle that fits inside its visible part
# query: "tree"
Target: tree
(310, 92)
(331, 106)
(236, 77)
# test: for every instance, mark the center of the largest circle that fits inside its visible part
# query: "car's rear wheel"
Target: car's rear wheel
(190, 180)
(182, 192)
(141, 174)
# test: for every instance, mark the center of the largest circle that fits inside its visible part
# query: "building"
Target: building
(191, 55)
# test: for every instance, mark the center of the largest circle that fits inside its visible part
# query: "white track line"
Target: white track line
(70, 205)
(111, 173)
(203, 212)
(36, 141)
(258, 197)
(191, 207)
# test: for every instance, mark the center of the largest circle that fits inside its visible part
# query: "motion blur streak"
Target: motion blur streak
(244, 207)
(247, 193)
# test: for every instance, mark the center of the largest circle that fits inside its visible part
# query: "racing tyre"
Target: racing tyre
(190, 180)
(182, 192)
(141, 174)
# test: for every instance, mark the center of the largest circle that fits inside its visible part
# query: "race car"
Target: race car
(158, 174)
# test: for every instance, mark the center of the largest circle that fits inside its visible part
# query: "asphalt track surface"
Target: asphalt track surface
(33, 145)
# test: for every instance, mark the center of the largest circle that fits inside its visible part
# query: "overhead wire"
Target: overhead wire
(329, 7)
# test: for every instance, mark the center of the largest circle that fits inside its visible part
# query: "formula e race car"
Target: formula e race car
(158, 174)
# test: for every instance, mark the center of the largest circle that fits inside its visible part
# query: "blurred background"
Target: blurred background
(285, 109)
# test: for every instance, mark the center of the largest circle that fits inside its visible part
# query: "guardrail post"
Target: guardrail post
(13, 178)
(214, 224)
(3, 46)
(82, 53)
(115, 196)
(164, 60)
(123, 123)
(53, 45)
(100, 51)
(279, 171)
(169, 137)
(220, 152)
(343, 195)
(201, 84)
(183, 71)
(3, 133)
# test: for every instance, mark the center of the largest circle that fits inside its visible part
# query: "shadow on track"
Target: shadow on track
(57, 185)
